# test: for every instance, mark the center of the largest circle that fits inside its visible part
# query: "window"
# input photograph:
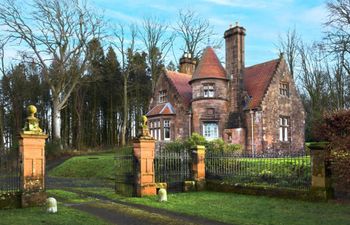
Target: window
(162, 96)
(166, 128)
(284, 128)
(210, 131)
(284, 89)
(208, 90)
(155, 129)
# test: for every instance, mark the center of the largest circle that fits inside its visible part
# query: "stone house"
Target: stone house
(257, 106)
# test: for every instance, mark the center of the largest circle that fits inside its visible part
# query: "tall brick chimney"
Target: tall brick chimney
(234, 41)
(187, 64)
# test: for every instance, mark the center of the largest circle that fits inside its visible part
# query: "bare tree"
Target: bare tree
(338, 42)
(315, 75)
(158, 40)
(54, 32)
(289, 46)
(126, 48)
(194, 30)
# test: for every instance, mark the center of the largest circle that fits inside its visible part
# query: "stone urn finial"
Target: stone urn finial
(31, 125)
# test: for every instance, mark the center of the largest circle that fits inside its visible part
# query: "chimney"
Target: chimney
(234, 42)
(187, 64)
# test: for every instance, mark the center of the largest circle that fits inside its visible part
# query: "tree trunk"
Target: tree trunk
(56, 121)
(125, 116)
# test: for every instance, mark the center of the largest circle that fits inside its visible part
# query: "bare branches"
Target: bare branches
(158, 40)
(56, 33)
(194, 31)
(288, 45)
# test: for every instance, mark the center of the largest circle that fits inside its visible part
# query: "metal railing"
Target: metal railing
(173, 168)
(9, 172)
(288, 170)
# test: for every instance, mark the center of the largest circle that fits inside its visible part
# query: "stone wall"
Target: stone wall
(274, 105)
(209, 109)
(180, 123)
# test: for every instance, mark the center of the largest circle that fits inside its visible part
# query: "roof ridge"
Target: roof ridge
(259, 64)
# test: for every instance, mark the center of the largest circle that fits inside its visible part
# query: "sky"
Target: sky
(264, 20)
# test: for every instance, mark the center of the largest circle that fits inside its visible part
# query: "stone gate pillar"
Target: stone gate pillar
(198, 166)
(32, 156)
(321, 176)
(144, 151)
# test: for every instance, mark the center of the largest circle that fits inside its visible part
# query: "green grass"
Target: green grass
(245, 209)
(37, 215)
(91, 166)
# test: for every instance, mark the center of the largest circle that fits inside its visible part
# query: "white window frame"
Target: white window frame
(210, 130)
(284, 126)
(166, 128)
(284, 89)
(155, 129)
(162, 96)
(208, 91)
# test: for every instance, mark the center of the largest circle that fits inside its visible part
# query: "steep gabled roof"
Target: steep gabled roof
(209, 66)
(181, 83)
(162, 109)
(256, 80)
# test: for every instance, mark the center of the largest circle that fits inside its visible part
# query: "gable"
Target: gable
(162, 109)
(256, 80)
(180, 81)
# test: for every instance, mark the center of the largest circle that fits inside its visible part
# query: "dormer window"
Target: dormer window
(208, 90)
(284, 89)
(162, 96)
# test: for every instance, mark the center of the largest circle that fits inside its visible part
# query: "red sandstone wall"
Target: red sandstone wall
(209, 109)
(266, 123)
(180, 123)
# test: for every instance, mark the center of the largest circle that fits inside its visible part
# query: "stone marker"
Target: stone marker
(51, 204)
(162, 194)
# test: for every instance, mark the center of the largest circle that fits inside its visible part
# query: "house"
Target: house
(257, 106)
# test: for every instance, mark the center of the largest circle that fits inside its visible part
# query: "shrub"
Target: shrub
(218, 145)
(175, 146)
(336, 129)
(195, 139)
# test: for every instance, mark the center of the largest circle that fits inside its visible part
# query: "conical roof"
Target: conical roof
(209, 66)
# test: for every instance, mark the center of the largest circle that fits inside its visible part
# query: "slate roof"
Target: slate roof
(181, 83)
(209, 66)
(256, 80)
(162, 109)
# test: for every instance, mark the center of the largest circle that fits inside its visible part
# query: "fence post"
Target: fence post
(321, 177)
(32, 156)
(198, 166)
(144, 150)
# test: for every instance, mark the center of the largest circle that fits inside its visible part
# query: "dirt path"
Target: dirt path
(120, 212)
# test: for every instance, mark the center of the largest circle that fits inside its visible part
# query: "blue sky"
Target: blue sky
(264, 20)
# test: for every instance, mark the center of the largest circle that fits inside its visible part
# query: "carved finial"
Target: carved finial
(144, 129)
(236, 24)
(144, 121)
(31, 125)
(230, 26)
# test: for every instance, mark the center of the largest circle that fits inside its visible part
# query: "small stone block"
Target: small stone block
(189, 186)
(200, 185)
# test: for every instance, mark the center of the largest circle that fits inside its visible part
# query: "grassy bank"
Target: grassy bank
(90, 166)
(37, 215)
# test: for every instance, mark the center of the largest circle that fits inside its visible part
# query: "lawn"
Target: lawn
(245, 209)
(38, 215)
(90, 166)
